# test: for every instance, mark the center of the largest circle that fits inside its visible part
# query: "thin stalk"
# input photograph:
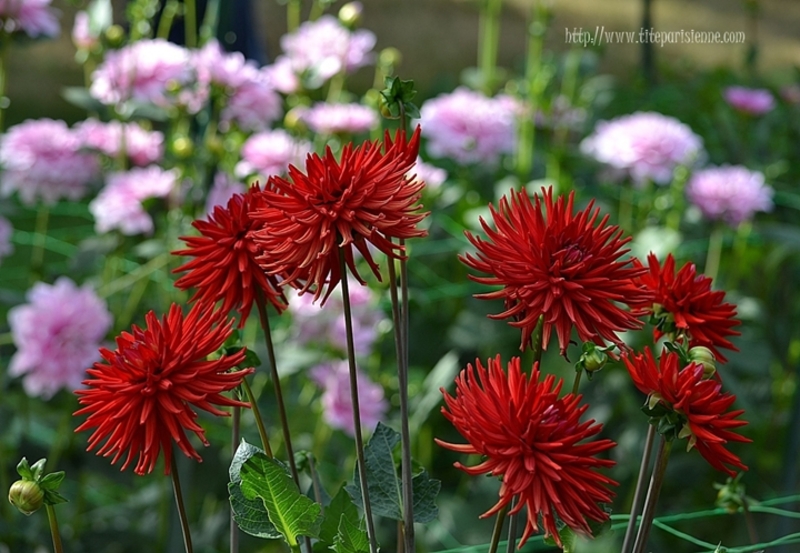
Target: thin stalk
(39, 239)
(190, 23)
(656, 480)
(526, 142)
(167, 17)
(235, 435)
(488, 37)
(714, 252)
(4, 42)
(577, 382)
(292, 15)
(176, 488)
(208, 28)
(351, 359)
(639, 490)
(262, 431)
(748, 517)
(512, 530)
(537, 347)
(56, 535)
(498, 529)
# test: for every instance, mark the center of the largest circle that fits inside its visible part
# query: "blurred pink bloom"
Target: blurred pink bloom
(142, 147)
(327, 118)
(270, 153)
(57, 334)
(82, 35)
(218, 67)
(282, 76)
(791, 93)
(755, 101)
(337, 405)
(119, 204)
(432, 176)
(468, 127)
(6, 230)
(41, 159)
(224, 187)
(34, 17)
(731, 193)
(645, 145)
(320, 49)
(148, 71)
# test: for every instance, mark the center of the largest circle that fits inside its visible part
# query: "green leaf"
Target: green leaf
(52, 481)
(292, 513)
(37, 469)
(352, 537)
(250, 514)
(24, 469)
(52, 497)
(567, 537)
(341, 507)
(384, 484)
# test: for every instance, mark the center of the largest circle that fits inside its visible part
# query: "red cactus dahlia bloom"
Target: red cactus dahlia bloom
(224, 265)
(699, 402)
(140, 397)
(687, 306)
(530, 437)
(364, 198)
(561, 265)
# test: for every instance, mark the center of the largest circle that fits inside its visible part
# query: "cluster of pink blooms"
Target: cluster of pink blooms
(729, 193)
(337, 407)
(317, 51)
(119, 204)
(468, 127)
(33, 17)
(140, 146)
(432, 176)
(753, 101)
(222, 189)
(646, 146)
(84, 36)
(57, 334)
(43, 160)
(6, 230)
(324, 118)
(270, 153)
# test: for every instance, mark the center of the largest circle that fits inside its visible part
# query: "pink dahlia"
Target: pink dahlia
(337, 404)
(141, 146)
(324, 118)
(753, 101)
(33, 17)
(729, 193)
(270, 153)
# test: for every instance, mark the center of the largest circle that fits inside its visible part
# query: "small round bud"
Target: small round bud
(26, 495)
(350, 14)
(704, 356)
(594, 360)
(115, 34)
(390, 57)
(182, 147)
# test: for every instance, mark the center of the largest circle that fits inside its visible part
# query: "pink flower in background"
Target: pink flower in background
(142, 147)
(83, 36)
(57, 334)
(41, 159)
(224, 187)
(270, 153)
(216, 66)
(320, 49)
(754, 101)
(327, 118)
(34, 17)
(791, 93)
(468, 127)
(731, 193)
(147, 71)
(119, 204)
(337, 405)
(6, 230)
(432, 176)
(644, 145)
(282, 76)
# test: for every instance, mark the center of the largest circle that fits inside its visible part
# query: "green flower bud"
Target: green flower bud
(115, 35)
(390, 57)
(182, 147)
(27, 496)
(350, 14)
(594, 360)
(704, 356)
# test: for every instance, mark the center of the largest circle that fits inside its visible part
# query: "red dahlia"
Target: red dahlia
(699, 403)
(224, 265)
(365, 198)
(530, 437)
(140, 398)
(686, 307)
(561, 265)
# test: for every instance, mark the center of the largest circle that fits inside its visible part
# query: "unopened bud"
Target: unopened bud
(26, 495)
(350, 14)
(594, 360)
(704, 356)
(115, 34)
(390, 57)
(182, 147)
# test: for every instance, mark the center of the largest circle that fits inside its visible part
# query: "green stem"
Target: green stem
(190, 23)
(656, 480)
(512, 530)
(489, 34)
(235, 435)
(526, 143)
(498, 529)
(40, 237)
(167, 17)
(262, 431)
(639, 490)
(176, 489)
(537, 347)
(4, 42)
(748, 517)
(208, 29)
(576, 384)
(56, 535)
(351, 359)
(714, 252)
(292, 15)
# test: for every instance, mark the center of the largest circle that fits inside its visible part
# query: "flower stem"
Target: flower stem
(714, 252)
(526, 143)
(39, 239)
(498, 529)
(292, 15)
(190, 23)
(748, 517)
(512, 530)
(208, 29)
(351, 359)
(489, 35)
(276, 382)
(176, 488)
(51, 517)
(639, 490)
(656, 480)
(4, 45)
(235, 435)
(262, 432)
(577, 382)
(167, 17)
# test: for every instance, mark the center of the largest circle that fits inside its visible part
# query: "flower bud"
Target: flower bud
(390, 57)
(182, 147)
(26, 495)
(115, 35)
(594, 360)
(350, 14)
(704, 356)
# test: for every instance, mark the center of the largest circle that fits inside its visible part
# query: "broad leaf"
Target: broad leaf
(250, 514)
(352, 537)
(340, 507)
(292, 513)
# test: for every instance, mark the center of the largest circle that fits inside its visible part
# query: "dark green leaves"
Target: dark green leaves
(396, 99)
(250, 514)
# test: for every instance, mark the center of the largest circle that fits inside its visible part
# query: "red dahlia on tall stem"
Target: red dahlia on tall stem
(140, 398)
(701, 407)
(565, 266)
(686, 308)
(224, 267)
(530, 437)
(363, 198)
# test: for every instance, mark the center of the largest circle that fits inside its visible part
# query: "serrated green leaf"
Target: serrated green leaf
(351, 538)
(52, 481)
(52, 497)
(340, 507)
(292, 513)
(250, 514)
(384, 484)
